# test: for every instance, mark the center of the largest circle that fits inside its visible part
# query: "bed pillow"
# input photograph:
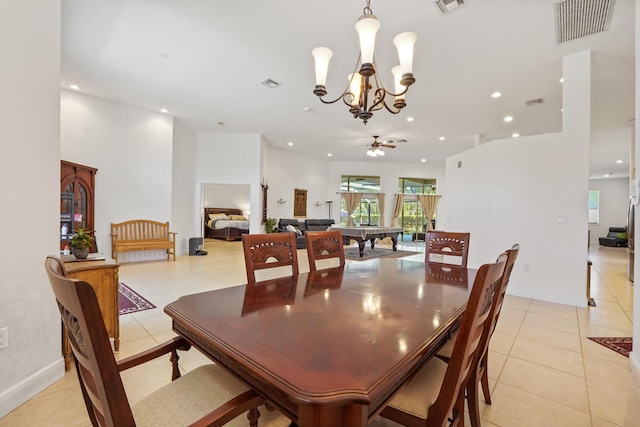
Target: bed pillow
(215, 216)
(293, 229)
(237, 217)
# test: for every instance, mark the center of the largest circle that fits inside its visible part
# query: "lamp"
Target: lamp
(357, 93)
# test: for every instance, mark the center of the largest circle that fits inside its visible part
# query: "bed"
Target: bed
(225, 223)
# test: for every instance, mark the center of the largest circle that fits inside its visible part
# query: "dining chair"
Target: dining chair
(208, 395)
(480, 373)
(444, 247)
(324, 245)
(271, 250)
(434, 397)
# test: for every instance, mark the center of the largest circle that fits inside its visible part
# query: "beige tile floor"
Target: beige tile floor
(543, 370)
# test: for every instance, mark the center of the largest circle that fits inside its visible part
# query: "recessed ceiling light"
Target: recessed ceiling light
(74, 87)
(409, 119)
(515, 135)
(289, 144)
(606, 175)
(329, 154)
(618, 161)
(307, 109)
(496, 95)
(163, 110)
(508, 118)
(561, 79)
(423, 160)
(441, 138)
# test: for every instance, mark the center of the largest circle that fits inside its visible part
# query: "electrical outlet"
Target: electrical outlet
(4, 337)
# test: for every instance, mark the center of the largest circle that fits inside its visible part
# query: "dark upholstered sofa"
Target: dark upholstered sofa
(318, 224)
(282, 227)
(616, 237)
(302, 227)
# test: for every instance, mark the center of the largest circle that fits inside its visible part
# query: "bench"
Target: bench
(142, 235)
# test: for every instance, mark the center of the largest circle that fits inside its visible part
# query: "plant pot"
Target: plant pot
(80, 253)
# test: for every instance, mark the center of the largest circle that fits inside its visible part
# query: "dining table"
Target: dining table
(328, 348)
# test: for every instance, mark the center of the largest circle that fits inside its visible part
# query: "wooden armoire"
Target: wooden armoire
(79, 181)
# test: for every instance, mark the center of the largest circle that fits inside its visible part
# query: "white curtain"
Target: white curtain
(380, 197)
(397, 209)
(429, 202)
(351, 201)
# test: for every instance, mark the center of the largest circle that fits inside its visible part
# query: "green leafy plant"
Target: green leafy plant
(270, 225)
(80, 239)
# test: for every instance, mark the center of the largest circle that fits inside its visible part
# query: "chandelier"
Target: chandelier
(365, 93)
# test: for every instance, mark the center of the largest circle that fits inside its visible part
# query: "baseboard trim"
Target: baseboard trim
(635, 365)
(21, 392)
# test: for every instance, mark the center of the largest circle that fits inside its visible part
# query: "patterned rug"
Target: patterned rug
(354, 254)
(621, 345)
(129, 301)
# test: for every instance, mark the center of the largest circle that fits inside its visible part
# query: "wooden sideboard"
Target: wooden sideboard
(103, 277)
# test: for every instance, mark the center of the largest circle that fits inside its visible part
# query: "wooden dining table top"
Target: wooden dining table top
(328, 348)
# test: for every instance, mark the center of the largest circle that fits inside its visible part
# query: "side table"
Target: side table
(102, 275)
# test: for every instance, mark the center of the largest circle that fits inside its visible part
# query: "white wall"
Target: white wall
(389, 174)
(614, 203)
(516, 191)
(634, 357)
(30, 172)
(183, 198)
(230, 159)
(286, 172)
(132, 149)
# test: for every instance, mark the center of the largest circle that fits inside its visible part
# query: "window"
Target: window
(368, 211)
(417, 186)
(360, 184)
(594, 207)
(412, 219)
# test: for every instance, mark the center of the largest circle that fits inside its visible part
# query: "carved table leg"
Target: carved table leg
(361, 247)
(394, 240)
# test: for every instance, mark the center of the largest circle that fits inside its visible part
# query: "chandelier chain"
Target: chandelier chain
(367, 9)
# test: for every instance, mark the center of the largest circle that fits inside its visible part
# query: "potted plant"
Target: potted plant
(80, 243)
(270, 225)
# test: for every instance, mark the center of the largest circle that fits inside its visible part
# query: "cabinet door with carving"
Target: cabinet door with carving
(79, 180)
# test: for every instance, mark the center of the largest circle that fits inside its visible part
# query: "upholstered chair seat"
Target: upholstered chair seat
(194, 395)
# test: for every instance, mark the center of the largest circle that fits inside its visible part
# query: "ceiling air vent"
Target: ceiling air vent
(579, 18)
(447, 6)
(532, 102)
(270, 83)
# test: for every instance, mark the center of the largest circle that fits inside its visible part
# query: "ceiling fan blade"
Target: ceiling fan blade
(387, 146)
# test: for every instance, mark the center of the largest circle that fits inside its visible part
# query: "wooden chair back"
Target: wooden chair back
(98, 373)
(324, 245)
(270, 250)
(442, 246)
(450, 400)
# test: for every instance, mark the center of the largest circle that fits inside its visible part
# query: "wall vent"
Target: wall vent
(447, 6)
(532, 102)
(579, 18)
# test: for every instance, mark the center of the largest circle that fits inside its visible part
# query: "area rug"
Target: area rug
(129, 301)
(354, 253)
(621, 345)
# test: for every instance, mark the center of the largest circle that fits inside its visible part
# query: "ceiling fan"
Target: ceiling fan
(375, 148)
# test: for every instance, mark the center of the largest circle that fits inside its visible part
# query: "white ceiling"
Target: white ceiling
(203, 60)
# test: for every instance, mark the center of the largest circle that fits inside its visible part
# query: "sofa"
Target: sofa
(318, 224)
(285, 224)
(617, 237)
